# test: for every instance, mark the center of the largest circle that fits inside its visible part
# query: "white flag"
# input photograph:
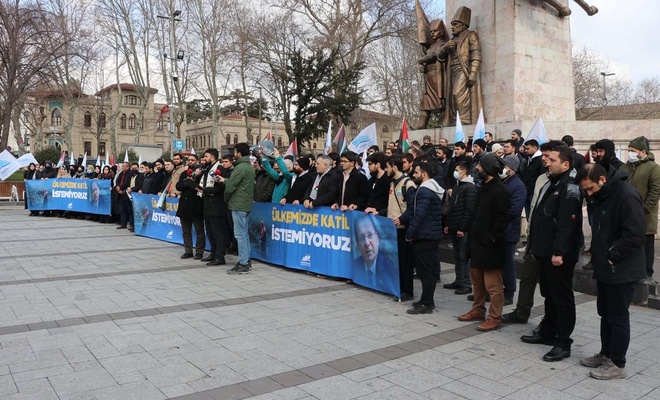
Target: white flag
(73, 159)
(106, 158)
(365, 167)
(328, 140)
(480, 128)
(84, 161)
(126, 156)
(538, 132)
(364, 139)
(192, 151)
(459, 136)
(98, 160)
(140, 160)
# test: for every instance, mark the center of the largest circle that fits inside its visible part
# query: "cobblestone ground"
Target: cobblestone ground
(89, 312)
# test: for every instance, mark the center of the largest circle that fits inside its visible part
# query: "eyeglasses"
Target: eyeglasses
(368, 236)
(343, 161)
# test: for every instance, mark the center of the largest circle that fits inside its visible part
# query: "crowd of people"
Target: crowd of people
(476, 194)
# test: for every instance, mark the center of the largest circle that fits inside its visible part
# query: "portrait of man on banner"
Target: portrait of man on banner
(373, 267)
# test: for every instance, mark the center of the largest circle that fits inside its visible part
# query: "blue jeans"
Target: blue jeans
(241, 233)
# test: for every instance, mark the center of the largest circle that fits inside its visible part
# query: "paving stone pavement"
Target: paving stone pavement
(89, 313)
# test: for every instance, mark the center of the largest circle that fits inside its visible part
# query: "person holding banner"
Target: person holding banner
(214, 208)
(323, 191)
(424, 221)
(190, 214)
(304, 179)
(124, 204)
(353, 186)
(372, 268)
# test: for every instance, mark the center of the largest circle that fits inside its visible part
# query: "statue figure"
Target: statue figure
(463, 53)
(434, 69)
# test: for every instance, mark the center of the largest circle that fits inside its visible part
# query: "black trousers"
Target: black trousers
(425, 253)
(187, 224)
(612, 303)
(557, 288)
(529, 276)
(216, 228)
(649, 253)
(406, 264)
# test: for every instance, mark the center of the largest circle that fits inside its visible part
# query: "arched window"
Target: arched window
(122, 121)
(87, 119)
(56, 117)
(235, 139)
(131, 121)
(279, 141)
(159, 124)
(228, 139)
(101, 120)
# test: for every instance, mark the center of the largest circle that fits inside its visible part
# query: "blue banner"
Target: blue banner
(153, 222)
(89, 196)
(350, 244)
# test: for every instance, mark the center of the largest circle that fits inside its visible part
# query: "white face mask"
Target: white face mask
(457, 176)
(632, 156)
(503, 174)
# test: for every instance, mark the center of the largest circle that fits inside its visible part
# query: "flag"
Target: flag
(480, 128)
(403, 138)
(26, 159)
(140, 159)
(61, 162)
(84, 161)
(340, 139)
(269, 136)
(98, 160)
(8, 165)
(328, 140)
(73, 158)
(126, 156)
(192, 151)
(365, 167)
(459, 136)
(365, 139)
(106, 159)
(538, 132)
(161, 200)
(293, 149)
(112, 159)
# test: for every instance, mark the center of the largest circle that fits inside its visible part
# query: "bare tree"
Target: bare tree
(29, 46)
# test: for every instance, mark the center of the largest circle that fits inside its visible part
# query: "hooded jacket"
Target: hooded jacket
(239, 187)
(618, 232)
(644, 175)
(461, 206)
(518, 195)
(423, 217)
(489, 222)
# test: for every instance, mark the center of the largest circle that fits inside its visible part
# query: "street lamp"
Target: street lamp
(173, 72)
(605, 75)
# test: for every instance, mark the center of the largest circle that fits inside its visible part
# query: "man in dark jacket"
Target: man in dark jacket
(353, 189)
(379, 183)
(554, 241)
(323, 190)
(303, 180)
(617, 254)
(190, 213)
(137, 179)
(214, 208)
(459, 220)
(606, 155)
(578, 159)
(460, 155)
(264, 185)
(532, 171)
(423, 217)
(487, 244)
(124, 204)
(479, 150)
(518, 195)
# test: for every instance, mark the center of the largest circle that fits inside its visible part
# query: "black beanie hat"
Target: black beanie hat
(491, 164)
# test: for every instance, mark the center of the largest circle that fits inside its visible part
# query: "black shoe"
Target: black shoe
(198, 257)
(217, 261)
(208, 258)
(420, 310)
(508, 302)
(416, 304)
(537, 329)
(437, 279)
(513, 318)
(121, 227)
(404, 297)
(463, 290)
(186, 255)
(453, 285)
(537, 339)
(556, 354)
(239, 269)
(471, 297)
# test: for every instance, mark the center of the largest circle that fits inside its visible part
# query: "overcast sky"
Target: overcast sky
(625, 33)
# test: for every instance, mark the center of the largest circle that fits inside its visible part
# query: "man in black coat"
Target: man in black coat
(215, 208)
(190, 213)
(617, 254)
(379, 183)
(554, 241)
(136, 181)
(303, 180)
(124, 204)
(353, 190)
(487, 244)
(423, 217)
(323, 190)
(606, 154)
(532, 171)
(578, 159)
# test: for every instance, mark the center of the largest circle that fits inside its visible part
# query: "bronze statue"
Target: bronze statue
(433, 67)
(463, 54)
(564, 11)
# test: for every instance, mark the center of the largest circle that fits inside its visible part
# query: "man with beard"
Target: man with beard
(136, 181)
(179, 168)
(214, 208)
(190, 212)
(479, 149)
(605, 154)
(424, 221)
(123, 183)
(353, 186)
(379, 183)
(167, 177)
(459, 156)
(304, 179)
(532, 171)
(400, 187)
(554, 241)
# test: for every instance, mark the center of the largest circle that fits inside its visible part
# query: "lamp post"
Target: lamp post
(173, 73)
(605, 75)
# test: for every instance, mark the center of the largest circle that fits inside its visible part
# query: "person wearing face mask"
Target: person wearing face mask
(487, 249)
(518, 194)
(459, 220)
(644, 175)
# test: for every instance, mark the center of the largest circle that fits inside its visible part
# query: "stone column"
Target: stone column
(527, 70)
